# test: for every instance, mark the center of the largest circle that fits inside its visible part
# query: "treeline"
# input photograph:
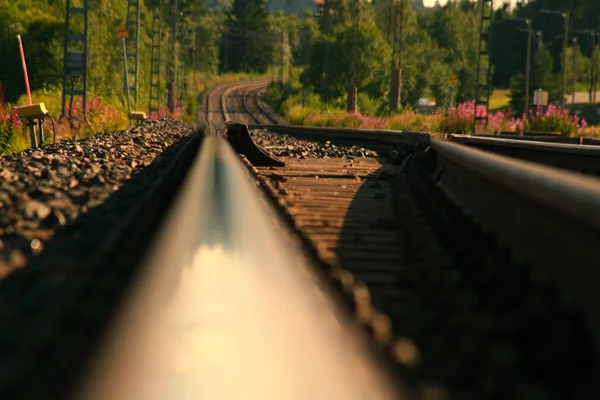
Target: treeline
(41, 24)
(241, 35)
(437, 43)
(509, 41)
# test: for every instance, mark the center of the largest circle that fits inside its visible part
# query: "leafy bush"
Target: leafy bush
(411, 121)
(555, 119)
(460, 119)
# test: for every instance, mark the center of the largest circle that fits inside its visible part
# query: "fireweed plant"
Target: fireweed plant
(457, 119)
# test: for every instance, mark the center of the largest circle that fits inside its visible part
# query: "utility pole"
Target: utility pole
(527, 66)
(593, 71)
(290, 54)
(565, 16)
(396, 76)
(574, 69)
(565, 42)
(352, 89)
(527, 62)
(593, 59)
(225, 62)
(172, 58)
(281, 59)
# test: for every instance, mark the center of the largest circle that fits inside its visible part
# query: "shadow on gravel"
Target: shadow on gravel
(53, 311)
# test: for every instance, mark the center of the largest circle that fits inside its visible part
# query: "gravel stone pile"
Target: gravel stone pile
(282, 145)
(45, 189)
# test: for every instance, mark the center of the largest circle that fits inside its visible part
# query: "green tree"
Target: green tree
(41, 30)
(247, 42)
(542, 77)
(328, 72)
(455, 28)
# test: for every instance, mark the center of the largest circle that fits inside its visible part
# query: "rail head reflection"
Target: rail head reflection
(243, 317)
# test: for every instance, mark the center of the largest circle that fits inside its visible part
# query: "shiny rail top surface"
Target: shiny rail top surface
(227, 308)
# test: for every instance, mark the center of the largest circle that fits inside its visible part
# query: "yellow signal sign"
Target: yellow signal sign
(122, 32)
(453, 79)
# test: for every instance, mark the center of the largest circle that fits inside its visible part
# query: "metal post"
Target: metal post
(281, 61)
(171, 83)
(574, 69)
(592, 72)
(41, 130)
(325, 70)
(290, 53)
(352, 89)
(32, 136)
(126, 80)
(75, 60)
(565, 16)
(393, 94)
(527, 67)
(225, 62)
(564, 72)
(400, 50)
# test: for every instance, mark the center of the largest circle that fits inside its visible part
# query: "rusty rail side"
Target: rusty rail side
(548, 217)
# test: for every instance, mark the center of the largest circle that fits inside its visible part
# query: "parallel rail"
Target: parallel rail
(547, 217)
(574, 157)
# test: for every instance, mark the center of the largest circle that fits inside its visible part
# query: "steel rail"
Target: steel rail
(209, 116)
(227, 307)
(562, 148)
(223, 100)
(273, 118)
(534, 136)
(574, 157)
(260, 110)
(548, 217)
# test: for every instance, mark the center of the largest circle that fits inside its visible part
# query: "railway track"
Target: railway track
(263, 305)
(430, 246)
(573, 154)
(351, 264)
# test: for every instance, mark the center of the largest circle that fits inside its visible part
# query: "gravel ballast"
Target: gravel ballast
(57, 301)
(283, 145)
(45, 189)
